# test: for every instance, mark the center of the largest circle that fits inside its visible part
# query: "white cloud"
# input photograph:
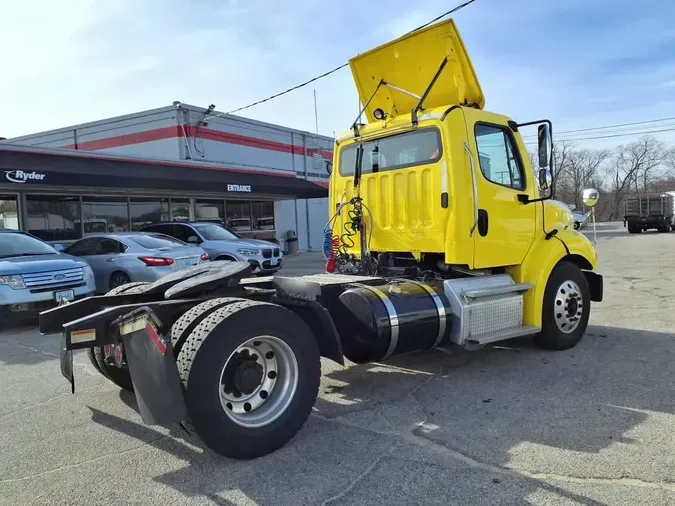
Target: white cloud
(88, 59)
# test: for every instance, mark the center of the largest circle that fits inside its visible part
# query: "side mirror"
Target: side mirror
(590, 197)
(545, 179)
(59, 247)
(329, 167)
(193, 239)
(543, 141)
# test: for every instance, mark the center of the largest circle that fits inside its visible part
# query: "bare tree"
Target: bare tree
(583, 170)
(669, 163)
(635, 168)
(646, 165)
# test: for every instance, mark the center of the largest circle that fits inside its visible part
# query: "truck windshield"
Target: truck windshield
(394, 152)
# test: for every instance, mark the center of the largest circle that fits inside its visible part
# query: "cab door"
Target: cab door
(506, 227)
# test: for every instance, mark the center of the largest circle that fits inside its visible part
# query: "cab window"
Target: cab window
(497, 157)
(394, 152)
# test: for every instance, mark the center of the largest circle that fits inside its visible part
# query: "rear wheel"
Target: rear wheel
(566, 308)
(119, 376)
(250, 373)
(190, 319)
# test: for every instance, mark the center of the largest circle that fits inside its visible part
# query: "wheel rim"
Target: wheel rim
(118, 281)
(568, 307)
(258, 381)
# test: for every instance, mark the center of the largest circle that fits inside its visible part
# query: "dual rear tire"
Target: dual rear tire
(250, 373)
(119, 376)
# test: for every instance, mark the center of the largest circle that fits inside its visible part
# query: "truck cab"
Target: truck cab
(435, 182)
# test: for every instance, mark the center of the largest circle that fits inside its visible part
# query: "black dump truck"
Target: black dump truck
(649, 211)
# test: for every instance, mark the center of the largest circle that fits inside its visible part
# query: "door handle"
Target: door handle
(482, 222)
(110, 260)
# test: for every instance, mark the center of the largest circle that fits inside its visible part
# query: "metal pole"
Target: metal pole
(595, 236)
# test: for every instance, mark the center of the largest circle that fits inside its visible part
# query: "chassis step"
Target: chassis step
(503, 335)
(498, 290)
(486, 309)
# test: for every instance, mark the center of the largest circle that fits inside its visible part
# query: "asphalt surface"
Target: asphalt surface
(505, 425)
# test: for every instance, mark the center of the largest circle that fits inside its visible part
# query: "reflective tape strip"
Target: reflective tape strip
(82, 336)
(161, 346)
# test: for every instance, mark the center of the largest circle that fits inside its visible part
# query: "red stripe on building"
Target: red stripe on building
(173, 132)
(158, 134)
(147, 161)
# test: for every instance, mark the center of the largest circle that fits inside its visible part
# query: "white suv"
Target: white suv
(222, 244)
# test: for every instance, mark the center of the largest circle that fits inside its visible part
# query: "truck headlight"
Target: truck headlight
(88, 273)
(14, 281)
(248, 252)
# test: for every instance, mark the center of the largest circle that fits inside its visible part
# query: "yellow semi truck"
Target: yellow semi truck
(440, 234)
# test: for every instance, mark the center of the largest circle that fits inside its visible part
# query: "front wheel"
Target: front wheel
(250, 373)
(566, 308)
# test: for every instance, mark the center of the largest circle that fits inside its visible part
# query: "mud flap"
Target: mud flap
(67, 362)
(153, 371)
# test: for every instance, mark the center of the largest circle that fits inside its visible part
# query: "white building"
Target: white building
(171, 163)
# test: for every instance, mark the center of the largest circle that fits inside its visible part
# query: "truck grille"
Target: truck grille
(267, 253)
(45, 281)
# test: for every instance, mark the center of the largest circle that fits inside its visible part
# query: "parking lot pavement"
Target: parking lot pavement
(506, 425)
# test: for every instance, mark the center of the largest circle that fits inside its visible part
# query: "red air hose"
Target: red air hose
(334, 246)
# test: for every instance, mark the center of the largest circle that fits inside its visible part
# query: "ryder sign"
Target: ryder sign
(21, 176)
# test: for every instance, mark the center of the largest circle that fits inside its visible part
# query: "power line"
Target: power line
(340, 67)
(608, 136)
(644, 122)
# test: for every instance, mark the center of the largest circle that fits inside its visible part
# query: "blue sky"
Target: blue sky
(580, 63)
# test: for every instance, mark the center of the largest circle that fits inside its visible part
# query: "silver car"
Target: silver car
(35, 276)
(223, 244)
(120, 258)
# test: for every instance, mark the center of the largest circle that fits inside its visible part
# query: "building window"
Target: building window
(9, 214)
(146, 211)
(210, 210)
(263, 215)
(105, 214)
(238, 215)
(180, 209)
(53, 217)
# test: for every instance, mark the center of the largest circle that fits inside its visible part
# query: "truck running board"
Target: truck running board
(486, 309)
(503, 335)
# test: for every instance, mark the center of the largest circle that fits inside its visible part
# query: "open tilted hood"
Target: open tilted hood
(410, 63)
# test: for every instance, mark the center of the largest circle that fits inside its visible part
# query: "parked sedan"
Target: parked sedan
(221, 243)
(120, 258)
(35, 276)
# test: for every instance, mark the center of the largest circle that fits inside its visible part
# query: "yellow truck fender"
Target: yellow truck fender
(540, 261)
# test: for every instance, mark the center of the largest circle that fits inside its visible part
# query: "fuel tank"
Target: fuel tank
(381, 321)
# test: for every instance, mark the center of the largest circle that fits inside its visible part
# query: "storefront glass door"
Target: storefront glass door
(9, 212)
